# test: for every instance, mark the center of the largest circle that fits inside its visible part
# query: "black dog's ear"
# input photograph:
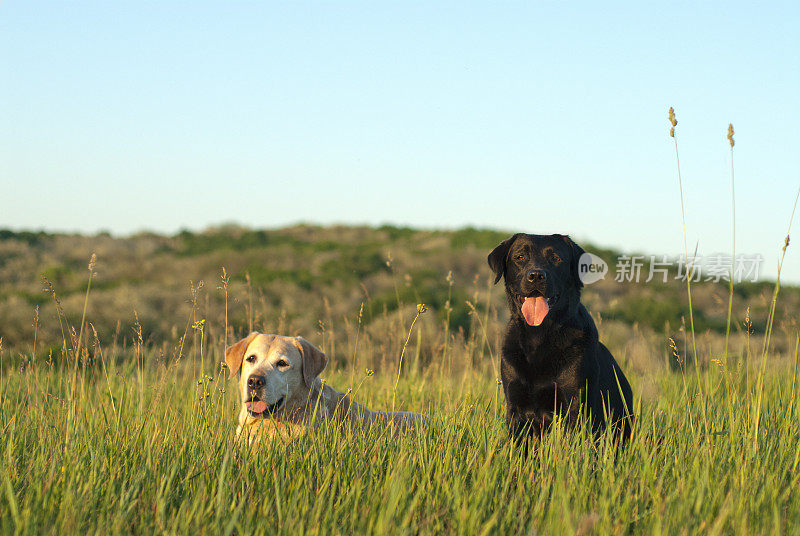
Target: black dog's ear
(498, 257)
(577, 251)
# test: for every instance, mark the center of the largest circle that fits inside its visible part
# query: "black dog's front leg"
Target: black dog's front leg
(527, 422)
(526, 430)
(518, 426)
(516, 399)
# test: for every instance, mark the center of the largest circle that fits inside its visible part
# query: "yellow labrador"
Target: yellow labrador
(282, 394)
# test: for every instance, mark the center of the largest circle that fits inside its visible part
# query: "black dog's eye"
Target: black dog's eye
(282, 364)
(554, 258)
(251, 358)
(520, 256)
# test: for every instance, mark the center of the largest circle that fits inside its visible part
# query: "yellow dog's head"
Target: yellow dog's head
(275, 371)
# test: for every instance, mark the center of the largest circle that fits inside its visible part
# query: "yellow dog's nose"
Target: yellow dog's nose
(255, 381)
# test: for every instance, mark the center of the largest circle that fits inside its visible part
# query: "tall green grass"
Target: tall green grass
(162, 459)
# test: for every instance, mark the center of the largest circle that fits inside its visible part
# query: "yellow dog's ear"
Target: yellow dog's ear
(314, 361)
(234, 355)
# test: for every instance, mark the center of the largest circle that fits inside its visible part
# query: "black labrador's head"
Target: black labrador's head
(541, 275)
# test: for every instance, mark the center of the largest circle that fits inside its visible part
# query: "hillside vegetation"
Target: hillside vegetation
(326, 282)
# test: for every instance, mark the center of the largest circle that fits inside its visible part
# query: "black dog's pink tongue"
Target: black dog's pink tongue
(534, 310)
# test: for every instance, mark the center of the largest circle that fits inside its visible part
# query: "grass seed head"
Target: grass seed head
(730, 134)
(672, 121)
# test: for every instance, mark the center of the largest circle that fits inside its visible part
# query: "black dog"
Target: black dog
(552, 360)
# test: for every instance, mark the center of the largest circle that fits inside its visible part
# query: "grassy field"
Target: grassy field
(147, 446)
(115, 425)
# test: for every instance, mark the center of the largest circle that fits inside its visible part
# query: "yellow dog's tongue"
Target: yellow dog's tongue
(534, 310)
(256, 407)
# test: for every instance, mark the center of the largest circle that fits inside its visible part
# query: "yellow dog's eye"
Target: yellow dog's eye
(282, 363)
(251, 358)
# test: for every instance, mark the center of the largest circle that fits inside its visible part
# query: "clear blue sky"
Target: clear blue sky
(534, 116)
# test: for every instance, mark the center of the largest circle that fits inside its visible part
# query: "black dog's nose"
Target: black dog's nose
(537, 276)
(254, 381)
